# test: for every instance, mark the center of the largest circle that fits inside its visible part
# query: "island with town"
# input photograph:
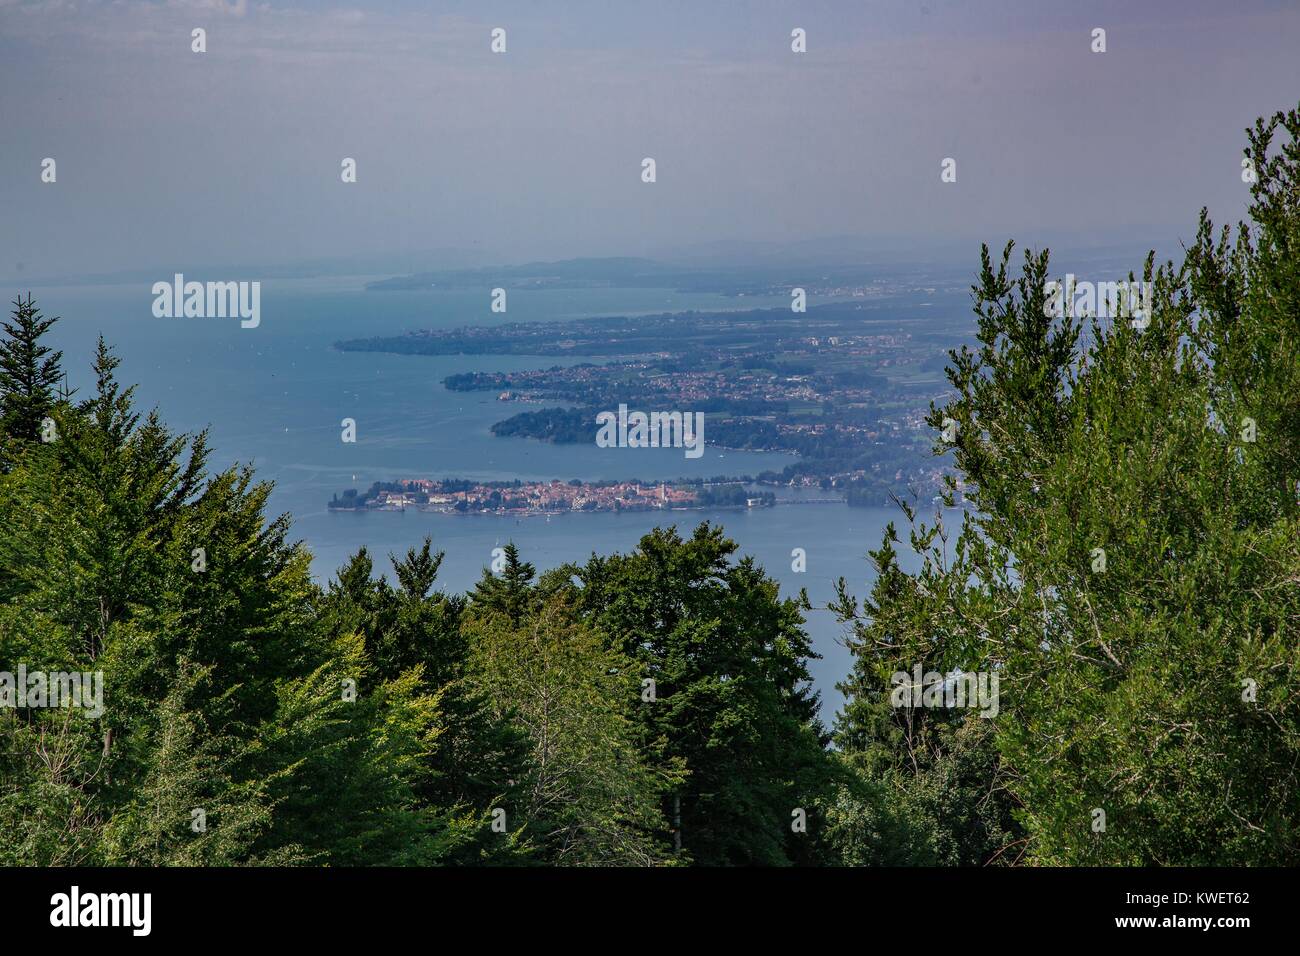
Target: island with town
(453, 496)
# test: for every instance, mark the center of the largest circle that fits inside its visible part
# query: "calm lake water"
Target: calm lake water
(274, 396)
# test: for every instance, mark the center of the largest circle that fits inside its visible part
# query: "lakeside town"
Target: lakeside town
(555, 497)
(546, 497)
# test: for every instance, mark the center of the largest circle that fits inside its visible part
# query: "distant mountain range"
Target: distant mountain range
(761, 278)
(727, 266)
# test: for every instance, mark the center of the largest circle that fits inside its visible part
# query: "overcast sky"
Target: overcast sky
(233, 156)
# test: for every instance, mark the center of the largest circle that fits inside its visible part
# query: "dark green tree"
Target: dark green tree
(478, 756)
(732, 697)
(30, 373)
(222, 692)
(933, 774)
(511, 591)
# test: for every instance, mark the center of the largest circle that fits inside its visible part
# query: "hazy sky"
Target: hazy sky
(233, 156)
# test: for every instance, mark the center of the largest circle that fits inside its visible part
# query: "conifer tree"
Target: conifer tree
(30, 373)
(29, 370)
(1130, 568)
(120, 555)
(509, 592)
(478, 757)
(732, 692)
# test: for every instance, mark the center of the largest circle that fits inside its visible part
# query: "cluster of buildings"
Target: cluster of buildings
(542, 497)
(593, 382)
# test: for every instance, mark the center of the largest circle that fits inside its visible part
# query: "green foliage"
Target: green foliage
(588, 796)
(187, 768)
(222, 689)
(509, 593)
(935, 768)
(733, 696)
(477, 757)
(29, 374)
(1131, 567)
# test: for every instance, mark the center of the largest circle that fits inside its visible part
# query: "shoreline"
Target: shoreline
(526, 512)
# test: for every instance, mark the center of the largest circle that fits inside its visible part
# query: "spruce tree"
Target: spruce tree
(30, 373)
(510, 591)
(223, 691)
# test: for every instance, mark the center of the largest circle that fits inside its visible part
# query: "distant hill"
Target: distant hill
(757, 278)
(620, 271)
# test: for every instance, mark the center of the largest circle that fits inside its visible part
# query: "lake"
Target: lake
(275, 396)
